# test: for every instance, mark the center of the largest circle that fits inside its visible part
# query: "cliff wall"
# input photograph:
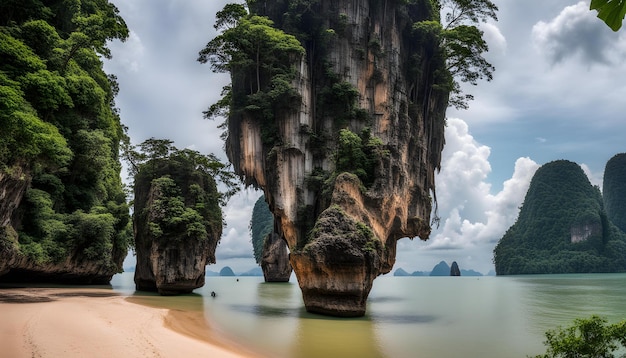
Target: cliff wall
(63, 212)
(342, 226)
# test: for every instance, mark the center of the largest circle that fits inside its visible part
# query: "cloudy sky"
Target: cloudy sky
(557, 93)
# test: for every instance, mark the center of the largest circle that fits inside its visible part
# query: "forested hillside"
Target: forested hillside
(261, 224)
(562, 228)
(64, 213)
(614, 188)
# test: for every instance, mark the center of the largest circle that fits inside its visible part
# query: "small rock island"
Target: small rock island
(177, 221)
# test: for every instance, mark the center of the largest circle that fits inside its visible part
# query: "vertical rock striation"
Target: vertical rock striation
(270, 250)
(12, 189)
(342, 226)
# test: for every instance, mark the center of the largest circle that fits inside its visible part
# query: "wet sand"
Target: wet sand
(86, 322)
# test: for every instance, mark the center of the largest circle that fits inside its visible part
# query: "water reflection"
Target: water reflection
(266, 311)
(426, 317)
(397, 318)
(559, 299)
(321, 336)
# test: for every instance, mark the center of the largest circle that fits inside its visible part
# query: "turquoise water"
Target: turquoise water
(406, 316)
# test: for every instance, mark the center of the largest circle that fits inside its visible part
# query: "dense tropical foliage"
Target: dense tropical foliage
(589, 337)
(259, 58)
(60, 128)
(462, 43)
(562, 227)
(614, 190)
(176, 195)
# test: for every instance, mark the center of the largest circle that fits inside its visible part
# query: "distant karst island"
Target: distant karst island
(440, 269)
(566, 225)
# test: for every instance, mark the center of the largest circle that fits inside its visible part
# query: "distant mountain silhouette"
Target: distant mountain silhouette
(257, 271)
(401, 272)
(226, 271)
(470, 273)
(440, 269)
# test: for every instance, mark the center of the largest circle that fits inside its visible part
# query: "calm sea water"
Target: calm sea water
(420, 317)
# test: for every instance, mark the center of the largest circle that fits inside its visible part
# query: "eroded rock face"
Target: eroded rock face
(12, 189)
(338, 265)
(169, 259)
(275, 260)
(15, 266)
(341, 233)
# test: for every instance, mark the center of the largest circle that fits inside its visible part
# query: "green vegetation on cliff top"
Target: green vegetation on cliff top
(561, 228)
(60, 129)
(186, 201)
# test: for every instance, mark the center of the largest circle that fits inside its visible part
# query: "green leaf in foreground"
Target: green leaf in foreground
(610, 11)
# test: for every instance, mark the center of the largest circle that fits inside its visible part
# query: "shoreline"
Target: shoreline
(96, 322)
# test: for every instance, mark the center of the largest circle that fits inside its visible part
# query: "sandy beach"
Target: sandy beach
(86, 322)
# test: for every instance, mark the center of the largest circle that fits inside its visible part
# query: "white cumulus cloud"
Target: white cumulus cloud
(235, 241)
(129, 54)
(575, 32)
(471, 214)
(494, 38)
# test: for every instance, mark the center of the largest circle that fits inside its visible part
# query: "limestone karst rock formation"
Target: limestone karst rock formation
(454, 269)
(347, 165)
(562, 227)
(178, 224)
(275, 260)
(12, 189)
(440, 269)
(63, 213)
(77, 262)
(75, 267)
(614, 190)
(270, 251)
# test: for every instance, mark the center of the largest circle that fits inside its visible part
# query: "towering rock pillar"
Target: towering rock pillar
(178, 224)
(349, 170)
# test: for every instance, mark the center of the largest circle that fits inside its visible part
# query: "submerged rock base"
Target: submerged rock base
(170, 270)
(337, 268)
(331, 290)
